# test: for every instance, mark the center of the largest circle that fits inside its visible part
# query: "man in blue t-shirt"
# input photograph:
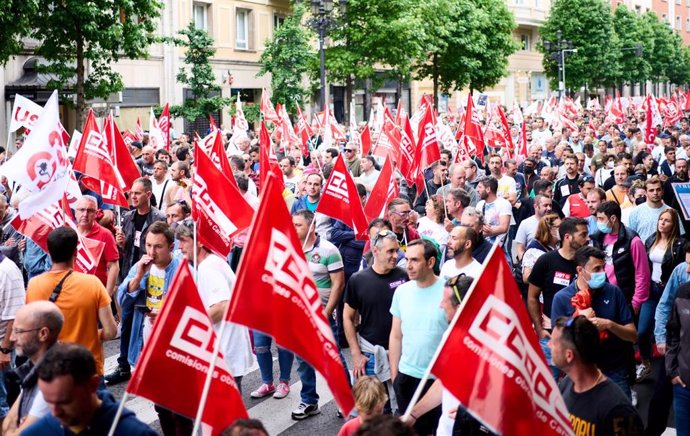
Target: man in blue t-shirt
(608, 311)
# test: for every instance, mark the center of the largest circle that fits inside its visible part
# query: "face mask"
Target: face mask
(529, 170)
(609, 165)
(640, 200)
(604, 228)
(597, 281)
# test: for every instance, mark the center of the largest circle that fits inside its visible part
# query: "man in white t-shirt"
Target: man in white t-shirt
(290, 177)
(507, 187)
(369, 174)
(528, 227)
(162, 186)
(215, 283)
(462, 241)
(541, 133)
(497, 212)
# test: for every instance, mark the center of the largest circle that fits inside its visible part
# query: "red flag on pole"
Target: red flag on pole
(164, 124)
(275, 294)
(138, 130)
(506, 383)
(474, 139)
(268, 162)
(217, 206)
(124, 162)
(365, 137)
(180, 348)
(213, 148)
(427, 146)
(384, 191)
(266, 108)
(340, 200)
(304, 131)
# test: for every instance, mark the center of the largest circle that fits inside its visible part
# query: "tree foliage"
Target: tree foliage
(290, 58)
(79, 40)
(632, 31)
(198, 76)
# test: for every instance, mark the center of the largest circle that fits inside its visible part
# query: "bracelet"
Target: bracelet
(412, 415)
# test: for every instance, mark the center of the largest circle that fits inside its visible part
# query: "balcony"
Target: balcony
(527, 13)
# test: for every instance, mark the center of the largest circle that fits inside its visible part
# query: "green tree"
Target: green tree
(289, 57)
(200, 78)
(632, 31)
(588, 24)
(678, 71)
(75, 34)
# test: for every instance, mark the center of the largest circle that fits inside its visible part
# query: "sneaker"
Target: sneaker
(339, 414)
(642, 372)
(304, 411)
(634, 398)
(264, 390)
(282, 390)
(118, 375)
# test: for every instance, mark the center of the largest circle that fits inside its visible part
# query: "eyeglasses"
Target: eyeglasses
(347, 150)
(383, 234)
(85, 210)
(20, 331)
(452, 283)
(404, 213)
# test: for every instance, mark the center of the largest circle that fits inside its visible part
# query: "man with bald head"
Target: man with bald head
(145, 162)
(458, 179)
(36, 329)
(108, 267)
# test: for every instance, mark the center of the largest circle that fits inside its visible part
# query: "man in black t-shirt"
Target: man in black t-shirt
(554, 271)
(596, 404)
(369, 294)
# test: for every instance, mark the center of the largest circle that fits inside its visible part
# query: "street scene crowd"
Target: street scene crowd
(589, 204)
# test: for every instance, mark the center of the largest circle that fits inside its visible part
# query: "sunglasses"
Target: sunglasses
(347, 150)
(452, 283)
(383, 234)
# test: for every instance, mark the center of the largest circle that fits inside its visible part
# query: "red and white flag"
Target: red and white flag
(212, 146)
(474, 138)
(340, 200)
(506, 383)
(156, 135)
(266, 108)
(41, 165)
(303, 131)
(428, 150)
(275, 294)
(217, 206)
(365, 139)
(164, 125)
(123, 160)
(25, 113)
(385, 189)
(268, 162)
(615, 114)
(653, 119)
(402, 148)
(138, 130)
(672, 113)
(181, 348)
(239, 130)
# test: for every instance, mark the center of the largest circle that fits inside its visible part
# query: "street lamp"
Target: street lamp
(558, 51)
(323, 20)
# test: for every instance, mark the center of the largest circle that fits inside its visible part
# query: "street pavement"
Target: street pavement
(275, 414)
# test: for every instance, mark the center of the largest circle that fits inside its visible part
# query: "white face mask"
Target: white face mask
(609, 164)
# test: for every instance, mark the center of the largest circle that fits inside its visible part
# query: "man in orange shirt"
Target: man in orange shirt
(82, 298)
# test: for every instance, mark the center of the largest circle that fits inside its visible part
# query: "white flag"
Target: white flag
(41, 166)
(25, 113)
(156, 136)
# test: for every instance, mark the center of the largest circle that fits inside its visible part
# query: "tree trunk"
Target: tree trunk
(349, 93)
(435, 77)
(399, 87)
(365, 103)
(79, 87)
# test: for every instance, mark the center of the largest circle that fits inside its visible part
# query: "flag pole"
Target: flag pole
(209, 374)
(118, 414)
(446, 335)
(311, 227)
(196, 263)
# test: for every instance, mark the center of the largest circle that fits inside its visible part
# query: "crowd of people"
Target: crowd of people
(589, 220)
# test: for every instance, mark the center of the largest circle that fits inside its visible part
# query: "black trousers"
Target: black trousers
(405, 386)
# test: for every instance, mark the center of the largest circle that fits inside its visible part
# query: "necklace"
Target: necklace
(596, 382)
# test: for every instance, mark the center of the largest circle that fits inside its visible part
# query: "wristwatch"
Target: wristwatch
(4, 350)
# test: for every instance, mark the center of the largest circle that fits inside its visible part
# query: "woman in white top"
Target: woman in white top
(605, 172)
(545, 239)
(665, 250)
(431, 225)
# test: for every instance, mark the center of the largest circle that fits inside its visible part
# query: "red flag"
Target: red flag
(384, 190)
(686, 105)
(474, 139)
(284, 301)
(94, 159)
(139, 130)
(164, 124)
(212, 124)
(266, 108)
(652, 119)
(268, 162)
(180, 348)
(506, 131)
(672, 113)
(215, 151)
(217, 206)
(365, 137)
(303, 130)
(506, 383)
(427, 146)
(124, 162)
(340, 200)
(402, 148)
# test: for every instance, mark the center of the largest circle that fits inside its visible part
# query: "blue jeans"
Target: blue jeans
(645, 325)
(307, 375)
(544, 342)
(262, 348)
(681, 409)
(620, 377)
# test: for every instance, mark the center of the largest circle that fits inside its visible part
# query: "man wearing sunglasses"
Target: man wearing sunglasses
(593, 400)
(351, 159)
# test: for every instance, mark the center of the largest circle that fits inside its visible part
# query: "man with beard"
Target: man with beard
(462, 241)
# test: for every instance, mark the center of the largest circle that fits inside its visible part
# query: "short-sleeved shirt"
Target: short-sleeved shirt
(422, 323)
(608, 302)
(323, 259)
(12, 294)
(551, 273)
(371, 295)
(643, 220)
(110, 253)
(506, 186)
(448, 270)
(526, 230)
(81, 297)
(604, 409)
(155, 288)
(492, 215)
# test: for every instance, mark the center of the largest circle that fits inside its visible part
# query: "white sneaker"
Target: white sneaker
(634, 398)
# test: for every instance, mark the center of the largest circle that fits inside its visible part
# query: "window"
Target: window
(638, 9)
(524, 41)
(687, 24)
(242, 29)
(678, 25)
(664, 18)
(201, 16)
(278, 20)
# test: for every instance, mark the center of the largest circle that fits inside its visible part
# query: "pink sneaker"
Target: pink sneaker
(264, 390)
(282, 390)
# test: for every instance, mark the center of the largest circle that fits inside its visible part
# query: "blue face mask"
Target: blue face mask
(604, 228)
(597, 281)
